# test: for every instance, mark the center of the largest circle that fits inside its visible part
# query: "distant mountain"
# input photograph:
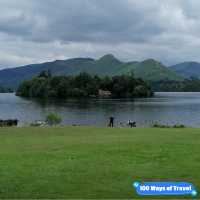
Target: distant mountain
(150, 70)
(187, 69)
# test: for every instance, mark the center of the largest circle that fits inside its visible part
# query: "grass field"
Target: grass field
(77, 162)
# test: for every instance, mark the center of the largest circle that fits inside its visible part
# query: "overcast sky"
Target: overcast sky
(33, 31)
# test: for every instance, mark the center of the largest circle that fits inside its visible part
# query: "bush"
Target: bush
(53, 119)
(160, 126)
(179, 126)
(156, 125)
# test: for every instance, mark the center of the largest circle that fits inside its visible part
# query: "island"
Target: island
(84, 85)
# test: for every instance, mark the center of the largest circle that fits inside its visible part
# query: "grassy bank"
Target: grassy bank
(95, 163)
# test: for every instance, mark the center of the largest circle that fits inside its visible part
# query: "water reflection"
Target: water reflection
(168, 108)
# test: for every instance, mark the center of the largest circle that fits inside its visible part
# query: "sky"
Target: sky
(34, 31)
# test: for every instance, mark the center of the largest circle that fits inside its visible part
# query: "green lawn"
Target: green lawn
(95, 163)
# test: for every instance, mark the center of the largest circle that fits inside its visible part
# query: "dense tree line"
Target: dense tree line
(189, 85)
(83, 85)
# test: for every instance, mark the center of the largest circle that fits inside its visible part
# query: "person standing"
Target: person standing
(111, 123)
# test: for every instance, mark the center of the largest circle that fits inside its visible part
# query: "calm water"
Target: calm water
(167, 108)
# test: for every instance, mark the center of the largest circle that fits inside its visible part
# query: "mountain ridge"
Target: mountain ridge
(187, 69)
(149, 69)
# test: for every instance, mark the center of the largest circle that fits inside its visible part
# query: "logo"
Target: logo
(165, 189)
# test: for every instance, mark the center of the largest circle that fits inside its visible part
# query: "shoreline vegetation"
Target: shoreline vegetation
(188, 85)
(93, 163)
(118, 126)
(84, 85)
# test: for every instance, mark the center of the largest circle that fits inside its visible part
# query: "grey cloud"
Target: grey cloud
(81, 20)
(35, 30)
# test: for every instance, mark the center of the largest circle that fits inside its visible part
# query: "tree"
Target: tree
(53, 119)
(45, 74)
(24, 89)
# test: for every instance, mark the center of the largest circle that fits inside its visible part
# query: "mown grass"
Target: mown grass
(95, 163)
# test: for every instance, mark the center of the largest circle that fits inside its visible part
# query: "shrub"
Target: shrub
(53, 119)
(156, 125)
(179, 126)
(160, 126)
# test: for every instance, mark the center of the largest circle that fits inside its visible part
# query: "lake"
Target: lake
(166, 108)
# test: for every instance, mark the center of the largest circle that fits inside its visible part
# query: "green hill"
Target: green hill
(107, 65)
(150, 70)
(187, 69)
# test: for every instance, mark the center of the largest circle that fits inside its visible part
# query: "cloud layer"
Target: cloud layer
(35, 31)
